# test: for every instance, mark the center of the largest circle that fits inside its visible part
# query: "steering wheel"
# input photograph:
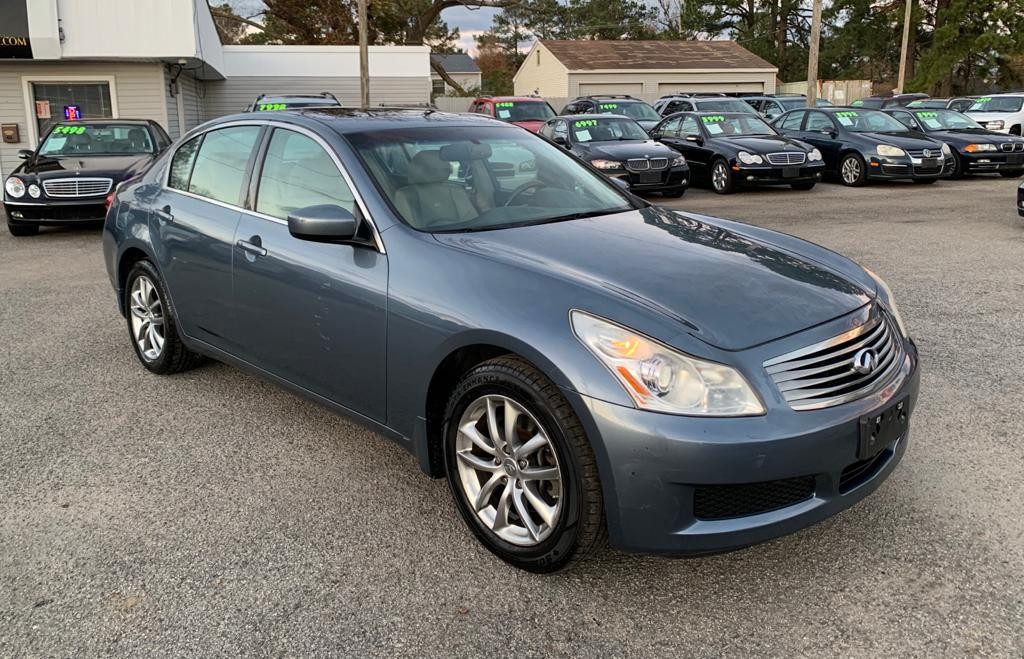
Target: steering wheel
(523, 188)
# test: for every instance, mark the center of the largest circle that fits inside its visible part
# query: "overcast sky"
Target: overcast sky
(469, 21)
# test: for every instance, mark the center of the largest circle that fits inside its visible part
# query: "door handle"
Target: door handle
(165, 213)
(254, 247)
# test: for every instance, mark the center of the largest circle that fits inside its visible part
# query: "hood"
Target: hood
(764, 143)
(625, 150)
(973, 135)
(533, 125)
(910, 140)
(117, 167)
(732, 290)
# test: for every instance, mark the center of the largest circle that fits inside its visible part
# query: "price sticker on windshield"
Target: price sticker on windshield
(271, 107)
(585, 123)
(609, 106)
(504, 104)
(929, 119)
(69, 130)
(857, 103)
(984, 99)
(846, 118)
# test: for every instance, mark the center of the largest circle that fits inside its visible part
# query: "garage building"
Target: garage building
(163, 60)
(557, 69)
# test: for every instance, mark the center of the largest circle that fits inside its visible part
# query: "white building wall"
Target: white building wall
(542, 74)
(128, 28)
(656, 83)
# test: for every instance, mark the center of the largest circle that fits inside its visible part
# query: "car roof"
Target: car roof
(521, 99)
(352, 120)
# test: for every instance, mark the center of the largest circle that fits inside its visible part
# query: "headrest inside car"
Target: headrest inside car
(462, 151)
(429, 167)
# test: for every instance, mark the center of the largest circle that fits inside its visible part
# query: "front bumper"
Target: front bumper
(777, 175)
(991, 161)
(670, 178)
(56, 212)
(656, 468)
(905, 167)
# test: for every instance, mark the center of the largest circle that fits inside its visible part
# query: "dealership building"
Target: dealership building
(163, 60)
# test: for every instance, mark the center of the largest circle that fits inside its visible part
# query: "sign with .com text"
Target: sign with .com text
(14, 37)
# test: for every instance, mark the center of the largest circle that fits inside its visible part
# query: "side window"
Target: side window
(162, 140)
(220, 164)
(686, 106)
(818, 121)
(181, 164)
(792, 120)
(756, 103)
(905, 119)
(689, 126)
(562, 129)
(296, 173)
(546, 130)
(671, 127)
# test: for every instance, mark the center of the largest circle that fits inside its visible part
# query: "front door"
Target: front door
(312, 313)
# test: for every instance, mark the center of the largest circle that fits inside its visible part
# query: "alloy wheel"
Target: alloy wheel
(508, 470)
(720, 176)
(851, 171)
(147, 318)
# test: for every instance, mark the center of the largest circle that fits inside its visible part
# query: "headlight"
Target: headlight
(814, 155)
(678, 161)
(995, 125)
(976, 148)
(34, 191)
(662, 379)
(886, 150)
(945, 150)
(606, 164)
(889, 301)
(749, 158)
(15, 187)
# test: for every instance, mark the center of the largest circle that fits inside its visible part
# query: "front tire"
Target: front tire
(151, 325)
(22, 228)
(1013, 173)
(521, 469)
(721, 177)
(957, 172)
(852, 171)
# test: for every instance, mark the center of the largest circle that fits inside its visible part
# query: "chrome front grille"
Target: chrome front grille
(644, 164)
(787, 158)
(77, 187)
(1009, 147)
(823, 374)
(920, 153)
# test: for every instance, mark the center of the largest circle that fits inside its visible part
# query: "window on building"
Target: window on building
(92, 100)
(437, 87)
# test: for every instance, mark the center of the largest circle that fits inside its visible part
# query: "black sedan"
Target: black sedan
(975, 149)
(861, 144)
(733, 149)
(620, 148)
(67, 179)
(1020, 200)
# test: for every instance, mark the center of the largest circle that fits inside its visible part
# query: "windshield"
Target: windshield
(720, 125)
(607, 129)
(796, 103)
(96, 140)
(931, 103)
(868, 121)
(997, 104)
(724, 105)
(633, 109)
(867, 103)
(475, 178)
(944, 120)
(523, 111)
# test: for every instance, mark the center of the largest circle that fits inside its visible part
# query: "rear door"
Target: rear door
(195, 218)
(312, 313)
(818, 130)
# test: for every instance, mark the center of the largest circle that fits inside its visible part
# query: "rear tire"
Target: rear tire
(22, 228)
(151, 324)
(496, 481)
(852, 170)
(808, 185)
(721, 177)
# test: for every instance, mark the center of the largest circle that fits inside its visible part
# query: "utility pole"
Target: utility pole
(812, 60)
(364, 58)
(903, 49)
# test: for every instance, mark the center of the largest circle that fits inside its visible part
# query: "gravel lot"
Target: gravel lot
(212, 513)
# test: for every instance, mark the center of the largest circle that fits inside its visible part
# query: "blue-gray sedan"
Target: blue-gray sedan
(577, 363)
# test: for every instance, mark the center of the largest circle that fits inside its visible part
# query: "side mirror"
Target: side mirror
(325, 223)
(25, 154)
(655, 134)
(621, 183)
(560, 141)
(695, 138)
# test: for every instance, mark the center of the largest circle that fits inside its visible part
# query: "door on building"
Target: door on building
(50, 98)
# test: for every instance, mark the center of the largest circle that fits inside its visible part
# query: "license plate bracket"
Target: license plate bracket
(790, 172)
(880, 429)
(648, 177)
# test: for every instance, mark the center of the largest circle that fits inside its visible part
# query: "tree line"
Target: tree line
(956, 46)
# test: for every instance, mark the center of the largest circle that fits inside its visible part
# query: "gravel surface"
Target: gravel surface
(213, 513)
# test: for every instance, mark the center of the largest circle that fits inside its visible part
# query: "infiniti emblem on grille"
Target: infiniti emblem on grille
(865, 361)
(927, 153)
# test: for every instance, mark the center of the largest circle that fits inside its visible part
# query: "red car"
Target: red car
(530, 112)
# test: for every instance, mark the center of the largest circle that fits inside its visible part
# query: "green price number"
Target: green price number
(609, 106)
(927, 115)
(504, 104)
(857, 103)
(585, 123)
(713, 119)
(69, 130)
(984, 99)
(271, 107)
(847, 114)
